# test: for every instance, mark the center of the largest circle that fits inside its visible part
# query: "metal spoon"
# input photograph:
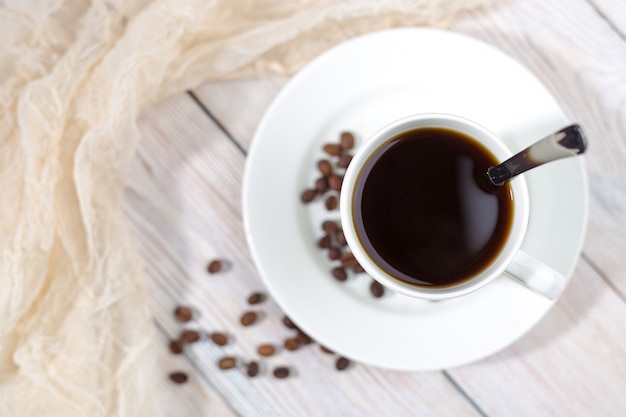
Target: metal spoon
(569, 141)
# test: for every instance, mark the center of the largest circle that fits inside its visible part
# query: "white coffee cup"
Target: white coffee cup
(510, 260)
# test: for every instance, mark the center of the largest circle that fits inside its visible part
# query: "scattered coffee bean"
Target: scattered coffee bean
(248, 318)
(281, 372)
(321, 185)
(377, 289)
(326, 350)
(348, 260)
(189, 336)
(325, 167)
(256, 298)
(308, 195)
(331, 202)
(334, 253)
(303, 338)
(215, 266)
(340, 274)
(324, 242)
(178, 377)
(288, 323)
(291, 344)
(346, 141)
(334, 182)
(330, 227)
(344, 161)
(358, 269)
(227, 362)
(177, 346)
(332, 149)
(219, 339)
(266, 350)
(342, 363)
(252, 369)
(183, 314)
(341, 238)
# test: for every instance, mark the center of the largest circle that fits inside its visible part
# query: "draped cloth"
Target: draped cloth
(76, 334)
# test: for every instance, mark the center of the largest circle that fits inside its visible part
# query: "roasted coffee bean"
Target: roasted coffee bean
(189, 336)
(340, 274)
(346, 141)
(342, 363)
(303, 338)
(291, 344)
(252, 369)
(334, 253)
(266, 350)
(248, 318)
(358, 269)
(325, 167)
(183, 314)
(308, 195)
(321, 185)
(281, 372)
(288, 323)
(215, 266)
(344, 161)
(331, 202)
(227, 362)
(332, 149)
(178, 377)
(341, 238)
(256, 298)
(177, 346)
(219, 339)
(326, 350)
(377, 289)
(348, 260)
(334, 182)
(324, 242)
(330, 227)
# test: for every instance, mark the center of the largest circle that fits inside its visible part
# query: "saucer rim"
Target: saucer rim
(266, 275)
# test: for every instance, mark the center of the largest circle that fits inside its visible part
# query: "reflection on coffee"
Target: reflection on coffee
(421, 214)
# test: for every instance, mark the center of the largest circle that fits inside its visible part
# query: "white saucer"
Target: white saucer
(360, 86)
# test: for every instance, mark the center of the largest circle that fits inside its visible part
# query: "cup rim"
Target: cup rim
(468, 127)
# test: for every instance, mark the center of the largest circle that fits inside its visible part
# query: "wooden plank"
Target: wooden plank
(183, 200)
(582, 60)
(614, 12)
(196, 397)
(572, 364)
(253, 97)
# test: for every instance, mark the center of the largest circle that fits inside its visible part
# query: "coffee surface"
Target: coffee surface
(420, 212)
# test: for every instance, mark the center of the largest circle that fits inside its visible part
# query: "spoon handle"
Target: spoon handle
(569, 141)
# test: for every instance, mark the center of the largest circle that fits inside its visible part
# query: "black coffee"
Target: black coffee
(421, 213)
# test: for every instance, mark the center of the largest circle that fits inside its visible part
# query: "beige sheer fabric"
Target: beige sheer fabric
(75, 331)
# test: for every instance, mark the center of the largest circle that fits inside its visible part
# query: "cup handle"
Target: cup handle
(536, 275)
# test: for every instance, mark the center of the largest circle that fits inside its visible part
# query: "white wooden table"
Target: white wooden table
(184, 202)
